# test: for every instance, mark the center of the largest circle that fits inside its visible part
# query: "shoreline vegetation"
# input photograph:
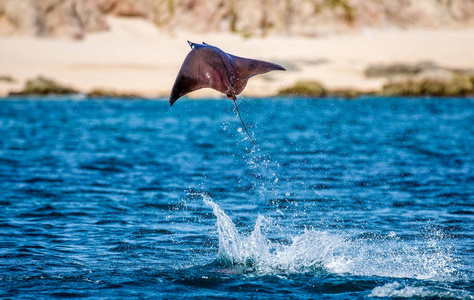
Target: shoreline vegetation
(421, 79)
(413, 80)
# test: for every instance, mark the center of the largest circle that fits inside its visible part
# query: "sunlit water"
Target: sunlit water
(370, 198)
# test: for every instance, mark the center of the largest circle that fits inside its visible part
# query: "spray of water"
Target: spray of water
(311, 251)
(406, 291)
(324, 252)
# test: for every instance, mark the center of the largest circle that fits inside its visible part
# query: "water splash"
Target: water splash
(390, 256)
(323, 252)
(311, 251)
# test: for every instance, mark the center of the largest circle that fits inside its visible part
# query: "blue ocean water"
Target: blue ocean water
(363, 199)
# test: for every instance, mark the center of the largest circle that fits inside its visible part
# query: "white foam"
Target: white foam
(396, 290)
(322, 251)
(401, 290)
(309, 251)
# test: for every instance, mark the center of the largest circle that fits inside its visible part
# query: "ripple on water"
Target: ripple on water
(341, 199)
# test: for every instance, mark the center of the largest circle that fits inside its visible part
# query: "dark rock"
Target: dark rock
(43, 86)
(425, 78)
(438, 83)
(304, 88)
(344, 93)
(104, 93)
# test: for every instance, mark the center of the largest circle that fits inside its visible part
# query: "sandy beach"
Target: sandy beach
(136, 57)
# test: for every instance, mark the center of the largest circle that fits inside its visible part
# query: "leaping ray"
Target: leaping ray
(207, 66)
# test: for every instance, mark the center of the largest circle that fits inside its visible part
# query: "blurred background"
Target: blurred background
(135, 47)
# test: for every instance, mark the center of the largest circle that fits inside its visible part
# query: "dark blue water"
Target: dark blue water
(371, 198)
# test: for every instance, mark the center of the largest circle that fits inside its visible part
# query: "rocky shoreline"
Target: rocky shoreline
(250, 18)
(420, 79)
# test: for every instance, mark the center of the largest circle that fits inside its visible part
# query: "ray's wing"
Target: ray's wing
(246, 68)
(202, 68)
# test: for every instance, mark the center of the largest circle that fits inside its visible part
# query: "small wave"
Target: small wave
(108, 222)
(325, 252)
(401, 290)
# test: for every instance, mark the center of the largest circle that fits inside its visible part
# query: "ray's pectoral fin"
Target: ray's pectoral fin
(204, 67)
(247, 68)
(251, 67)
(183, 85)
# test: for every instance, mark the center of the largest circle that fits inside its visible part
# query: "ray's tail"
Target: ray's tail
(238, 112)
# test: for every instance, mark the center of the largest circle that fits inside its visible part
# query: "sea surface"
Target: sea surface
(370, 198)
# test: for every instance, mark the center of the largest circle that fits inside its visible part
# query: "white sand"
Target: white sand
(136, 57)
